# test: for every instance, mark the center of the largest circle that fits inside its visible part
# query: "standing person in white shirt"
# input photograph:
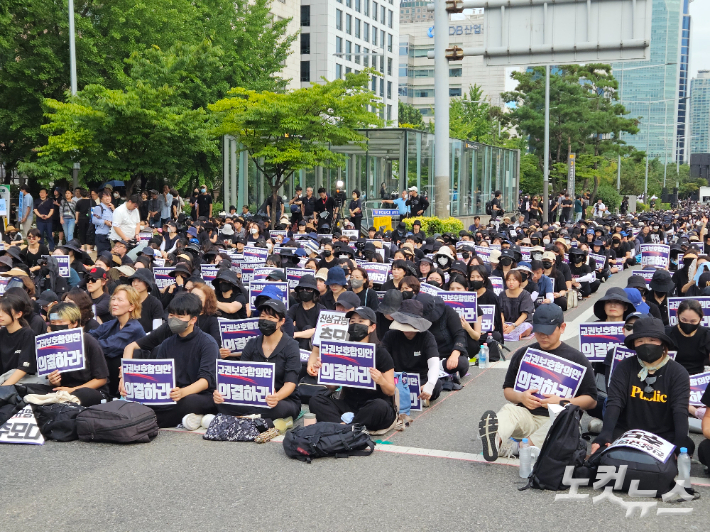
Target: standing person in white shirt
(126, 220)
(599, 209)
(25, 214)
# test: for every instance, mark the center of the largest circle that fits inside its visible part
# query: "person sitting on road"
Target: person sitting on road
(18, 362)
(305, 313)
(231, 296)
(390, 304)
(517, 308)
(557, 277)
(691, 338)
(648, 392)
(526, 416)
(661, 286)
(372, 408)
(413, 348)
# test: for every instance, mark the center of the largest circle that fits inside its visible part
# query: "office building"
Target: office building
(342, 36)
(699, 124)
(416, 71)
(683, 80)
(415, 12)
(283, 9)
(649, 89)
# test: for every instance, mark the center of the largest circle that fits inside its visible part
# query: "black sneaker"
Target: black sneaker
(488, 430)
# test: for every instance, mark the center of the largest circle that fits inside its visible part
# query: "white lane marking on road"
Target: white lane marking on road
(572, 329)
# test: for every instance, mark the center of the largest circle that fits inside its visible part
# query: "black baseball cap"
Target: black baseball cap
(547, 318)
(364, 312)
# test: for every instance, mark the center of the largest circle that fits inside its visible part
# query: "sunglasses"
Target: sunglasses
(629, 326)
(649, 381)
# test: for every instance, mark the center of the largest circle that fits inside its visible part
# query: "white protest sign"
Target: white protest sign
(647, 442)
(332, 325)
(22, 428)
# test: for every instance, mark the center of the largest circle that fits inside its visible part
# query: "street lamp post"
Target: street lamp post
(72, 70)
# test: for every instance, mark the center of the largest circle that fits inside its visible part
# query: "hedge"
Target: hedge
(431, 225)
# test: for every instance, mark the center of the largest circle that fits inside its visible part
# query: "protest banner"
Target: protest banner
(595, 339)
(548, 374)
(245, 383)
(377, 272)
(526, 252)
(498, 285)
(3, 285)
(256, 287)
(236, 333)
(22, 428)
(60, 351)
(647, 442)
(351, 233)
(305, 355)
(483, 253)
(347, 364)
(646, 274)
(158, 262)
(255, 255)
(63, 263)
(674, 303)
(162, 276)
(464, 303)
(656, 255)
(293, 276)
(262, 272)
(209, 272)
(144, 236)
(488, 318)
(414, 391)
(599, 260)
(149, 381)
(698, 385)
(276, 232)
(332, 325)
(247, 273)
(430, 289)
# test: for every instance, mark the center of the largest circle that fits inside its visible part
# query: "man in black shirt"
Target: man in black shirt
(526, 416)
(203, 203)
(567, 204)
(417, 204)
(496, 209)
(372, 408)
(308, 203)
(324, 208)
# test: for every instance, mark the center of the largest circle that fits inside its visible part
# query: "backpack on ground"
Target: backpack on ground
(327, 439)
(58, 421)
(230, 428)
(117, 422)
(651, 473)
(564, 446)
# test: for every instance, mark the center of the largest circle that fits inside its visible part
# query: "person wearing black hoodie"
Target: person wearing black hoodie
(143, 282)
(661, 286)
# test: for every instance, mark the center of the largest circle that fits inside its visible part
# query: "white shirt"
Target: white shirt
(126, 220)
(599, 209)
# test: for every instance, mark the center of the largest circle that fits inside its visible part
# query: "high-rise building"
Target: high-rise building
(683, 73)
(649, 89)
(699, 124)
(416, 71)
(283, 9)
(342, 36)
(415, 11)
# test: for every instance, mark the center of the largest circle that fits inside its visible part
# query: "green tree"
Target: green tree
(409, 116)
(471, 117)
(530, 174)
(293, 131)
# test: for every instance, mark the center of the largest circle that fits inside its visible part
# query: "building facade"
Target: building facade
(416, 71)
(342, 36)
(683, 84)
(699, 126)
(649, 89)
(415, 11)
(290, 9)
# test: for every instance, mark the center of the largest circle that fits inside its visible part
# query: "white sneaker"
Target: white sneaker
(192, 421)
(206, 420)
(509, 448)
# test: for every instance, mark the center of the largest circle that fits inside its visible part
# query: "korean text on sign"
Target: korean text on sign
(414, 391)
(657, 255)
(488, 318)
(595, 339)
(149, 381)
(256, 287)
(698, 385)
(236, 333)
(245, 383)
(60, 351)
(162, 276)
(332, 325)
(548, 374)
(464, 303)
(674, 303)
(497, 283)
(347, 364)
(647, 442)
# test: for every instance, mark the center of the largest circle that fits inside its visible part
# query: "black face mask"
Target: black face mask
(506, 261)
(267, 327)
(465, 254)
(407, 294)
(434, 283)
(649, 352)
(546, 264)
(687, 328)
(476, 285)
(225, 287)
(327, 253)
(659, 295)
(305, 295)
(56, 328)
(357, 331)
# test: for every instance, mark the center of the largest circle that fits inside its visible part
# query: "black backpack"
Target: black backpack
(564, 446)
(489, 208)
(117, 422)
(327, 439)
(58, 421)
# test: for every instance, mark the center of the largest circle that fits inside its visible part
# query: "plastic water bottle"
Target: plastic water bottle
(525, 459)
(684, 466)
(483, 356)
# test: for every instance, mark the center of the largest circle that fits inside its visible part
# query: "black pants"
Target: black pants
(102, 243)
(462, 367)
(356, 221)
(285, 408)
(376, 414)
(437, 387)
(114, 365)
(87, 396)
(704, 452)
(561, 302)
(197, 403)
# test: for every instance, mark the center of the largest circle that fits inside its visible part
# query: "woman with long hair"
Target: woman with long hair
(17, 341)
(517, 308)
(83, 301)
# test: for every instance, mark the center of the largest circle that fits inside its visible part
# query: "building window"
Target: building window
(382, 64)
(389, 42)
(423, 93)
(338, 45)
(403, 71)
(348, 50)
(374, 10)
(404, 49)
(382, 88)
(403, 89)
(382, 38)
(339, 19)
(357, 54)
(455, 72)
(305, 43)
(366, 5)
(455, 92)
(366, 32)
(382, 14)
(338, 71)
(365, 57)
(349, 3)
(389, 90)
(357, 28)
(374, 35)
(305, 71)
(305, 16)
(390, 15)
(357, 5)
(374, 84)
(348, 24)
(389, 66)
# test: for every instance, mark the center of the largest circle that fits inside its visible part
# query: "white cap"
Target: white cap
(413, 189)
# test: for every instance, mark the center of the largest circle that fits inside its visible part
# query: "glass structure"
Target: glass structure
(683, 83)
(700, 113)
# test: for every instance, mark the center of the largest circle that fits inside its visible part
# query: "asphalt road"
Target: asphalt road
(428, 477)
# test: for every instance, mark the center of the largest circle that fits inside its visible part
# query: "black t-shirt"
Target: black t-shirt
(195, 356)
(268, 202)
(693, 351)
(203, 202)
(286, 359)
(235, 297)
(309, 205)
(152, 309)
(303, 320)
(322, 205)
(587, 387)
(83, 207)
(102, 307)
(325, 264)
(567, 206)
(357, 397)
(490, 298)
(411, 356)
(96, 367)
(43, 207)
(17, 351)
(663, 412)
(368, 298)
(30, 258)
(495, 205)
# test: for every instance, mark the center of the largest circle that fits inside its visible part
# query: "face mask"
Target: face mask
(225, 287)
(688, 328)
(465, 255)
(407, 295)
(506, 261)
(476, 285)
(546, 264)
(254, 230)
(305, 295)
(545, 240)
(357, 331)
(327, 253)
(269, 246)
(115, 196)
(177, 325)
(434, 283)
(357, 283)
(443, 261)
(649, 352)
(203, 190)
(267, 327)
(56, 328)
